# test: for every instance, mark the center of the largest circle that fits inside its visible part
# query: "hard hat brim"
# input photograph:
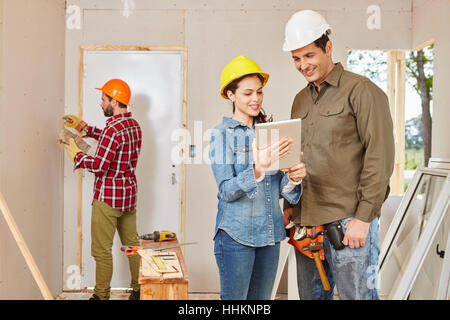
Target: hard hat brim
(263, 74)
(287, 47)
(123, 102)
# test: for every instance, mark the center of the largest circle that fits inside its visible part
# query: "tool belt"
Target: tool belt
(309, 241)
(311, 238)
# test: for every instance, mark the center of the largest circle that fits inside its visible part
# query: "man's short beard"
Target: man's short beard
(108, 112)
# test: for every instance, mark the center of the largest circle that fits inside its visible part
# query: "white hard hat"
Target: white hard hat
(303, 28)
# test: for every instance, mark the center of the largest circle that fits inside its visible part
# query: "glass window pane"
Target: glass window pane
(410, 228)
(427, 282)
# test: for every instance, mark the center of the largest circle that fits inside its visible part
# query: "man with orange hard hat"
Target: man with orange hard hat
(115, 186)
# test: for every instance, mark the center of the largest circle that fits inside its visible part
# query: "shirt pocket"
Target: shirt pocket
(331, 110)
(336, 125)
(300, 114)
(242, 157)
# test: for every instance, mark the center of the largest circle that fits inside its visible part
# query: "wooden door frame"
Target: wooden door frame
(183, 51)
(396, 85)
(396, 90)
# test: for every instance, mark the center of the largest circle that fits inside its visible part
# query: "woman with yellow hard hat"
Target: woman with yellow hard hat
(249, 223)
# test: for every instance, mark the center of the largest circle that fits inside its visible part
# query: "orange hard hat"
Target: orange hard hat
(118, 90)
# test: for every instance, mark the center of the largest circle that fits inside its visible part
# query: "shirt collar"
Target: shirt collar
(231, 123)
(118, 116)
(334, 76)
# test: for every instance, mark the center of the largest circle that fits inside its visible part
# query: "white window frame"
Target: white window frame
(444, 281)
(401, 291)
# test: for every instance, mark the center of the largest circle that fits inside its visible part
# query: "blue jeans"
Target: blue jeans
(245, 272)
(353, 271)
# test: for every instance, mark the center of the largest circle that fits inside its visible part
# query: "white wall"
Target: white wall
(31, 172)
(215, 32)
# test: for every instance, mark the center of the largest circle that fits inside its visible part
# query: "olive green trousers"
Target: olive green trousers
(105, 221)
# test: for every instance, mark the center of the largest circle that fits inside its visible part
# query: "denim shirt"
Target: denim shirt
(248, 211)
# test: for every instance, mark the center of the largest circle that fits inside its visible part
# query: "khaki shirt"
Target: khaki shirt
(348, 149)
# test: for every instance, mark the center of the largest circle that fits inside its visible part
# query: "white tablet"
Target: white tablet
(271, 132)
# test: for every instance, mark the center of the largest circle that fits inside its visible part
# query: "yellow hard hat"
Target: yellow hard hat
(239, 67)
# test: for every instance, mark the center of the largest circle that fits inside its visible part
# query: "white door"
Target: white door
(155, 79)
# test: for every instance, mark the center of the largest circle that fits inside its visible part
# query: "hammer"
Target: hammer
(315, 248)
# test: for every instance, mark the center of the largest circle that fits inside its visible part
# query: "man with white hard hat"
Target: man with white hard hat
(348, 146)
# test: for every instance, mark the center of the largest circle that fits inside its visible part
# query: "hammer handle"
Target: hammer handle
(323, 276)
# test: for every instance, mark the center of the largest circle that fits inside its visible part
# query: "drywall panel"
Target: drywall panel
(112, 27)
(31, 173)
(350, 28)
(207, 5)
(3, 226)
(431, 21)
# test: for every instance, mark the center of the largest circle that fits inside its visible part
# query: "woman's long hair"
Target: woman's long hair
(233, 85)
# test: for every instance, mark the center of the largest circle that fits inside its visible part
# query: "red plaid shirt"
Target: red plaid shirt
(115, 160)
